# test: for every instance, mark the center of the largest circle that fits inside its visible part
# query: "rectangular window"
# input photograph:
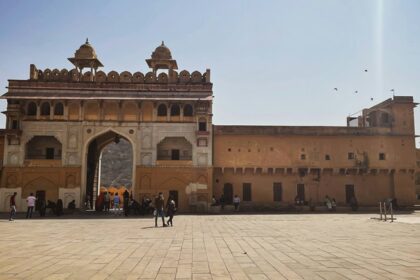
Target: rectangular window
(302, 156)
(417, 180)
(300, 190)
(327, 157)
(202, 126)
(350, 155)
(381, 156)
(175, 154)
(277, 192)
(349, 193)
(49, 153)
(202, 142)
(15, 124)
(246, 192)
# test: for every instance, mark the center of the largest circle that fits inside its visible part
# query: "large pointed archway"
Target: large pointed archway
(92, 163)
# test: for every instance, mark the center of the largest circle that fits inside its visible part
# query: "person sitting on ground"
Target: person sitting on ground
(213, 201)
(333, 205)
(72, 205)
(328, 203)
(297, 200)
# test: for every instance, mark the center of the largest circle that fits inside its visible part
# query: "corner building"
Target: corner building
(58, 122)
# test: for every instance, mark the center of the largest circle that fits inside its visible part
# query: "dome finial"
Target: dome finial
(163, 43)
(87, 40)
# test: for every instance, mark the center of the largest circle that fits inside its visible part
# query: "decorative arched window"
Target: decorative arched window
(188, 110)
(175, 111)
(162, 111)
(59, 109)
(31, 110)
(45, 109)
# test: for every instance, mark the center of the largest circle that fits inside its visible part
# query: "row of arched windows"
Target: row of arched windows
(45, 108)
(175, 110)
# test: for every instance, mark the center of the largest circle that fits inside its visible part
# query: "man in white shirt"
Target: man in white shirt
(31, 204)
(236, 201)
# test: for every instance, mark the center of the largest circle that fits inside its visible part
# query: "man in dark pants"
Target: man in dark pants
(12, 206)
(126, 196)
(159, 204)
(31, 205)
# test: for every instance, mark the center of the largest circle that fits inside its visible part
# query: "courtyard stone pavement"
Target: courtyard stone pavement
(284, 246)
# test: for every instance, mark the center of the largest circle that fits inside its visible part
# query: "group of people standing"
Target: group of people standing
(31, 201)
(222, 202)
(105, 201)
(160, 210)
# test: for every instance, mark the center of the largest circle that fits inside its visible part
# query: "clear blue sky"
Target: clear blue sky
(272, 62)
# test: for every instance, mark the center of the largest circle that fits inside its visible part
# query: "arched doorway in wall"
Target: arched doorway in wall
(109, 165)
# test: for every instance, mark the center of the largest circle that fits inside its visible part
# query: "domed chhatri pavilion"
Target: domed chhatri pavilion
(59, 121)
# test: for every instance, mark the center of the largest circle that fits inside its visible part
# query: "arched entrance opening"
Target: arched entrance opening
(109, 165)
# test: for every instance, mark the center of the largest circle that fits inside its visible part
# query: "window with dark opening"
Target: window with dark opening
(188, 110)
(350, 155)
(162, 110)
(302, 156)
(327, 157)
(31, 111)
(45, 109)
(59, 109)
(15, 124)
(300, 189)
(175, 111)
(277, 192)
(350, 193)
(202, 126)
(381, 156)
(246, 192)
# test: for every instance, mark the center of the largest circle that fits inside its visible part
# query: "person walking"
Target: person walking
(30, 200)
(170, 210)
(116, 204)
(126, 196)
(236, 201)
(159, 205)
(12, 206)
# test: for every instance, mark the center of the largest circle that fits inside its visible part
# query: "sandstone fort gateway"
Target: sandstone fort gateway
(58, 122)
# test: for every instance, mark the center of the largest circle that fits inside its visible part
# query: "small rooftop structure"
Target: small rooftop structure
(162, 59)
(85, 57)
